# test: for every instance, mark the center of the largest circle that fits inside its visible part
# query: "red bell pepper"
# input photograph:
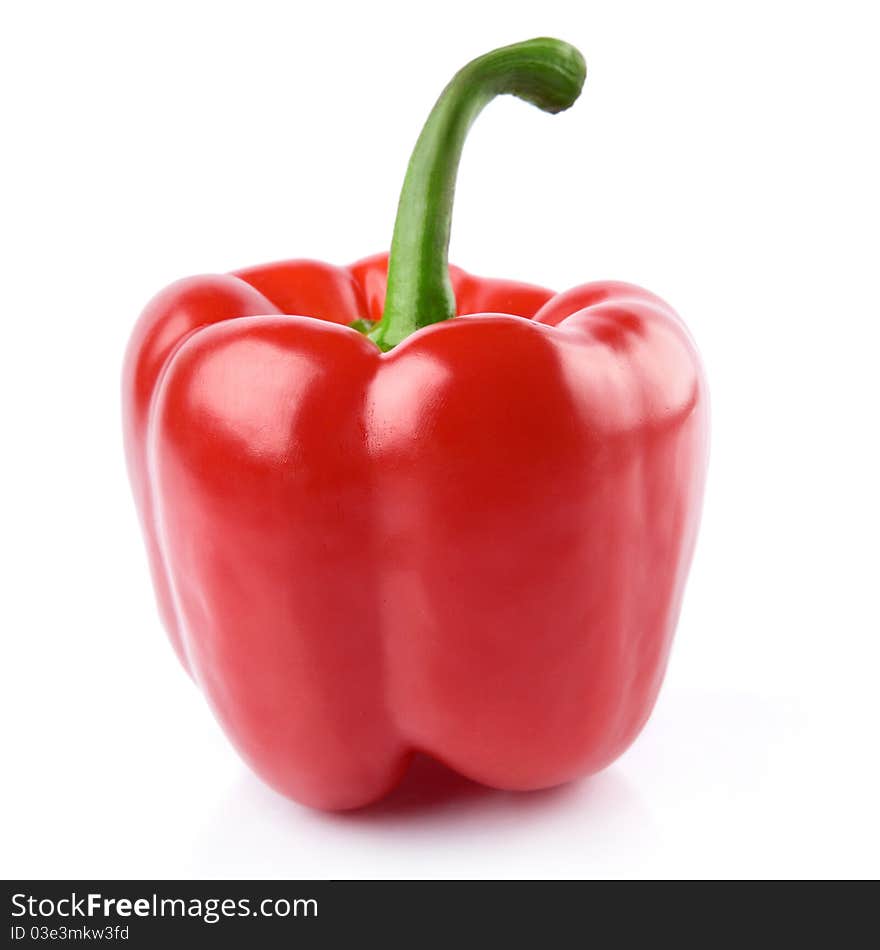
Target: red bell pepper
(375, 530)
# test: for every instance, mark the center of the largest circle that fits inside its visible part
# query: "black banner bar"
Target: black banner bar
(257, 914)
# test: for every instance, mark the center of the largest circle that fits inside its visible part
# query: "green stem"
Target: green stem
(546, 72)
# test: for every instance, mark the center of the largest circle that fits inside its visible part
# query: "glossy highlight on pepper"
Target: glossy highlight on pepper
(395, 508)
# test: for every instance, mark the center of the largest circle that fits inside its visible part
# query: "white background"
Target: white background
(725, 156)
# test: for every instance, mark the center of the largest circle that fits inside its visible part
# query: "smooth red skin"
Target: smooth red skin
(474, 545)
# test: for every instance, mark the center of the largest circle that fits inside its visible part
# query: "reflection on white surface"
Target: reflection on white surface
(681, 793)
(435, 825)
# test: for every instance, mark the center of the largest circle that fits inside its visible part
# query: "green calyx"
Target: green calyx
(545, 72)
